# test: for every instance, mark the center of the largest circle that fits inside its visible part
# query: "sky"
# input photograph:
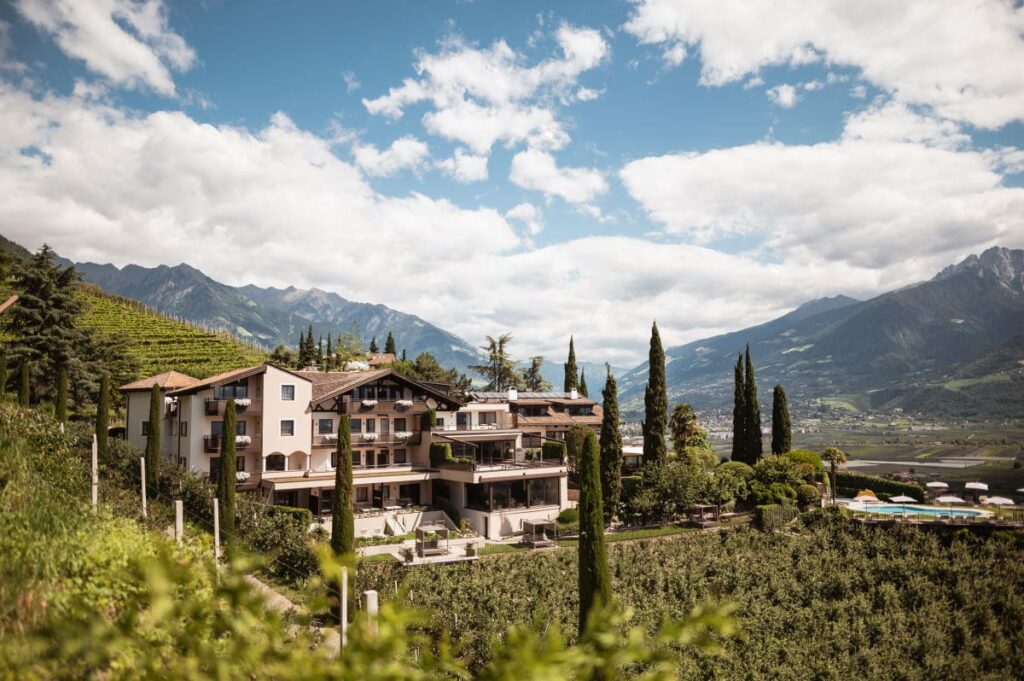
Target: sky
(543, 169)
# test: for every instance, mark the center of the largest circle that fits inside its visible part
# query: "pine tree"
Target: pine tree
(532, 378)
(320, 351)
(373, 346)
(403, 354)
(595, 586)
(226, 481)
(583, 383)
(782, 429)
(753, 422)
(60, 406)
(3, 378)
(500, 370)
(102, 417)
(23, 385)
(611, 448)
(329, 355)
(655, 403)
(389, 345)
(153, 438)
(302, 348)
(571, 379)
(739, 413)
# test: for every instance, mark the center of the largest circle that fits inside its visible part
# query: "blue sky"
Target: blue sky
(708, 164)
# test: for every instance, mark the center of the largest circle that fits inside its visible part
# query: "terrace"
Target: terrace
(212, 443)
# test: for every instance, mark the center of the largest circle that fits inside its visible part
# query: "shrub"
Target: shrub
(849, 483)
(773, 517)
(569, 515)
(553, 450)
(776, 493)
(440, 452)
(808, 458)
(428, 419)
(806, 495)
(303, 517)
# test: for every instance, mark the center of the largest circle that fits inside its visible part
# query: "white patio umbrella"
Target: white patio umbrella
(1021, 490)
(998, 501)
(903, 500)
(937, 485)
(950, 499)
(977, 485)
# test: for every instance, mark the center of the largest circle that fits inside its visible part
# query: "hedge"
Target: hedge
(302, 516)
(851, 483)
(774, 517)
(553, 450)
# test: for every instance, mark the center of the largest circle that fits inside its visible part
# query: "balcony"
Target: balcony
(503, 422)
(400, 439)
(243, 405)
(243, 443)
(351, 405)
(515, 461)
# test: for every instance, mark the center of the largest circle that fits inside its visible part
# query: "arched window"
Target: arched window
(275, 462)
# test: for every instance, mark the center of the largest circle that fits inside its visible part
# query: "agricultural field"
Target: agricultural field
(827, 601)
(160, 343)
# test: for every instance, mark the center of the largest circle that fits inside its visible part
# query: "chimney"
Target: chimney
(513, 394)
(574, 394)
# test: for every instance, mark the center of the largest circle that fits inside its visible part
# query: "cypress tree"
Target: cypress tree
(753, 423)
(3, 378)
(373, 346)
(739, 413)
(226, 481)
(594, 581)
(571, 380)
(153, 438)
(389, 345)
(23, 385)
(60, 407)
(102, 417)
(655, 403)
(611, 448)
(583, 383)
(343, 539)
(782, 430)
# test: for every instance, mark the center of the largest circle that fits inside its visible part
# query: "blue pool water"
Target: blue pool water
(922, 510)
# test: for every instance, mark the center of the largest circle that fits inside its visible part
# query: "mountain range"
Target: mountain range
(953, 344)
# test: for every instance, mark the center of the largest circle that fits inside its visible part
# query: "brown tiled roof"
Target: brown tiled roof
(328, 382)
(169, 380)
(233, 375)
(356, 378)
(561, 418)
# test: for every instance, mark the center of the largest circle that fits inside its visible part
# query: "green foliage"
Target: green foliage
(752, 428)
(665, 492)
(583, 390)
(156, 404)
(611, 448)
(428, 420)
(731, 482)
(440, 453)
(595, 587)
(807, 458)
(806, 495)
(60, 405)
(574, 439)
(771, 494)
(302, 517)
(553, 451)
(782, 429)
(500, 370)
(774, 517)
(655, 403)
(739, 413)
(532, 378)
(570, 379)
(389, 345)
(569, 515)
(343, 532)
(426, 368)
(851, 483)
(24, 386)
(102, 416)
(835, 458)
(226, 481)
(3, 377)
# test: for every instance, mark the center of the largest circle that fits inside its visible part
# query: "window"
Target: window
(334, 459)
(544, 492)
(214, 468)
(385, 427)
(235, 391)
(362, 495)
(217, 428)
(401, 458)
(275, 462)
(400, 426)
(183, 431)
(145, 428)
(287, 393)
(371, 425)
(239, 463)
(287, 427)
(325, 426)
(382, 458)
(488, 418)
(439, 422)
(356, 425)
(357, 458)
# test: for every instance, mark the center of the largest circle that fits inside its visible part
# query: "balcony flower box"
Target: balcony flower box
(403, 435)
(403, 404)
(369, 437)
(330, 437)
(243, 402)
(369, 403)
(243, 440)
(241, 476)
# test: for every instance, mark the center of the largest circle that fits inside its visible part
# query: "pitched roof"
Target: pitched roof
(229, 376)
(169, 380)
(353, 379)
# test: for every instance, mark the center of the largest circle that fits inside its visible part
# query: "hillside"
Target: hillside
(903, 348)
(160, 343)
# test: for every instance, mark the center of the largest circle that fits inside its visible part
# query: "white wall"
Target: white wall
(275, 410)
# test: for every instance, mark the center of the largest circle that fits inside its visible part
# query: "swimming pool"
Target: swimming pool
(922, 510)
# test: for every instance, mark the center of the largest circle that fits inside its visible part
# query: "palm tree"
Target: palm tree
(836, 458)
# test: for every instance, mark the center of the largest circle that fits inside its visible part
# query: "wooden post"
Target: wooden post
(371, 610)
(179, 520)
(343, 620)
(216, 531)
(95, 475)
(142, 483)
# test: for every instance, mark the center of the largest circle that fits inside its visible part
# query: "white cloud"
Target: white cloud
(963, 59)
(585, 94)
(674, 54)
(783, 95)
(405, 153)
(351, 82)
(484, 96)
(537, 170)
(858, 92)
(529, 215)
(465, 167)
(128, 42)
(894, 122)
(893, 185)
